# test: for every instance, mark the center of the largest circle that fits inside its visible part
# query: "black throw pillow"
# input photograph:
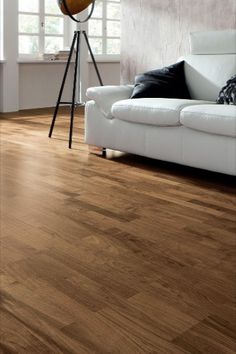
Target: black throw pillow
(227, 94)
(168, 82)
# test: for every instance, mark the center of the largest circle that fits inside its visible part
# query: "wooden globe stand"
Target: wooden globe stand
(74, 46)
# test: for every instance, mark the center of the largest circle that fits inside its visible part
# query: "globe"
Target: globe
(74, 6)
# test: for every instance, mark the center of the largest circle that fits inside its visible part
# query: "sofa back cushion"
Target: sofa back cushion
(208, 68)
(213, 42)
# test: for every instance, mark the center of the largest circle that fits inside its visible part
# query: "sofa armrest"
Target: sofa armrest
(106, 96)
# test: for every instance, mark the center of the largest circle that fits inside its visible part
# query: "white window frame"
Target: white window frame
(104, 56)
(41, 34)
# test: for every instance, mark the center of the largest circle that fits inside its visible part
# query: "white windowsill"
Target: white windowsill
(41, 61)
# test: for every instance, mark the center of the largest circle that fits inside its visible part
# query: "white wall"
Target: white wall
(39, 83)
(110, 73)
(1, 87)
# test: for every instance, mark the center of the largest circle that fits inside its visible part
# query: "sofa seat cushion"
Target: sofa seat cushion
(152, 111)
(215, 119)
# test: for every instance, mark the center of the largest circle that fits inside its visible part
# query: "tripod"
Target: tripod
(75, 43)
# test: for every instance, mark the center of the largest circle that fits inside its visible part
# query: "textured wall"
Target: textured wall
(156, 32)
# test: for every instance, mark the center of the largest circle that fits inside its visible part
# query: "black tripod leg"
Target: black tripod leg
(93, 59)
(62, 85)
(74, 89)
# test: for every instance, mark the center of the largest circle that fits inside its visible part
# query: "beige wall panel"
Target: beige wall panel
(156, 32)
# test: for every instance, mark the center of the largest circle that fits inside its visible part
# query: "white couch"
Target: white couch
(197, 132)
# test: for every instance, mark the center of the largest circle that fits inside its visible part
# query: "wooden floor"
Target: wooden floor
(123, 255)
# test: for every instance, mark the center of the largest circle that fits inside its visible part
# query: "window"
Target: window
(1, 29)
(104, 28)
(42, 27)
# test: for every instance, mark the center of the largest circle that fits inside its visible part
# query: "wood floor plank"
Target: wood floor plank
(209, 336)
(121, 255)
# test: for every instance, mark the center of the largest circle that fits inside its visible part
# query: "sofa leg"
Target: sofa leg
(104, 152)
(97, 150)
